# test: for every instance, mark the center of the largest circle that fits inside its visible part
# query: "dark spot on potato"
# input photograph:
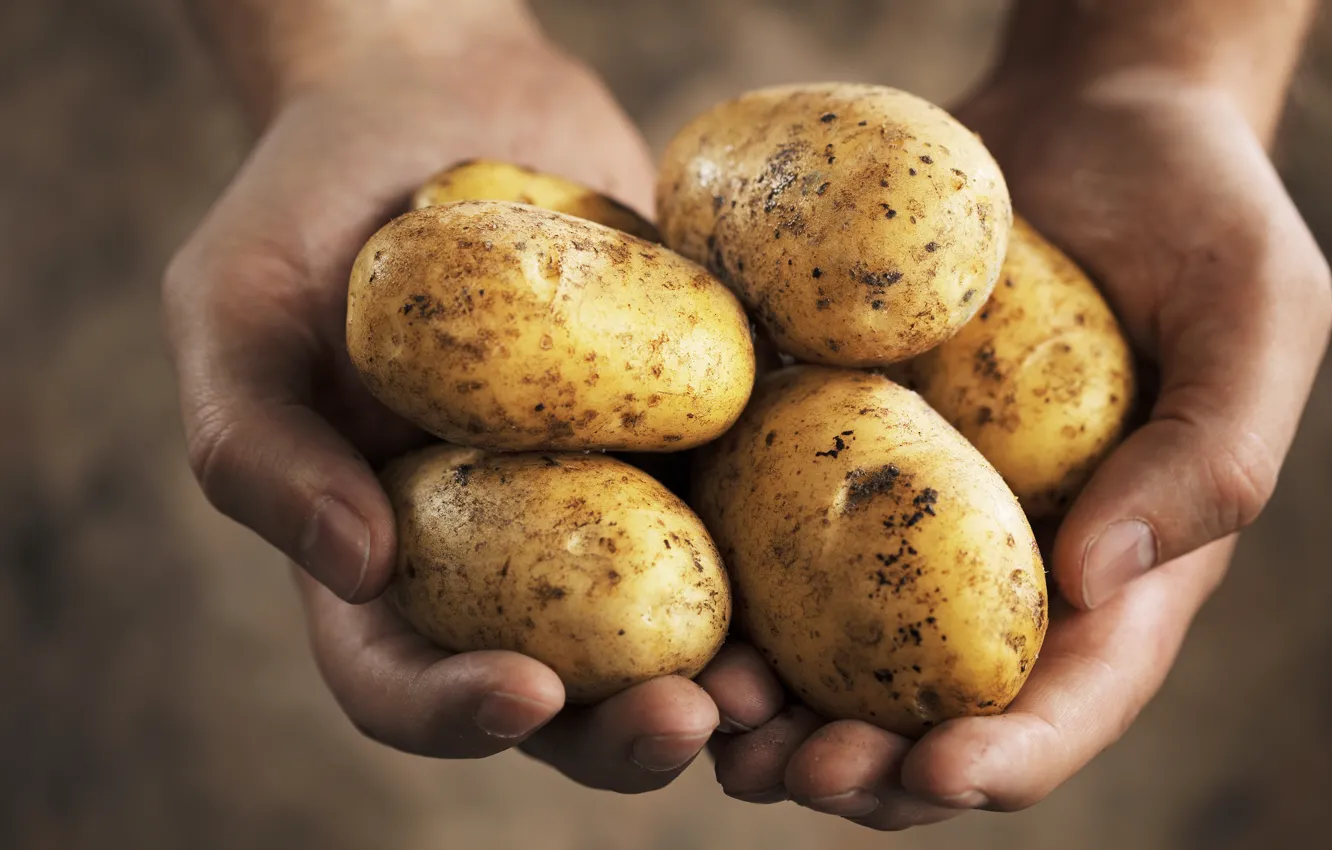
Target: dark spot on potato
(831, 160)
(839, 445)
(463, 474)
(888, 211)
(465, 387)
(546, 592)
(927, 160)
(540, 407)
(985, 416)
(883, 183)
(409, 568)
(986, 365)
(828, 117)
(968, 295)
(864, 485)
(932, 247)
(985, 315)
(630, 419)
(834, 345)
(818, 272)
(1008, 281)
(863, 124)
(878, 280)
(822, 304)
(823, 189)
(876, 305)
(884, 676)
(717, 202)
(985, 703)
(621, 632)
(611, 575)
(671, 438)
(911, 171)
(549, 461)
(772, 435)
(928, 705)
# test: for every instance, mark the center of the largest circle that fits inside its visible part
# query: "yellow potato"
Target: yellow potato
(507, 327)
(490, 180)
(1041, 381)
(878, 561)
(860, 224)
(579, 561)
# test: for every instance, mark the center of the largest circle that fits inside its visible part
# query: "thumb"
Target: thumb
(1236, 372)
(263, 455)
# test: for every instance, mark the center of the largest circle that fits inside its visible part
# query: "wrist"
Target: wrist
(401, 40)
(1243, 49)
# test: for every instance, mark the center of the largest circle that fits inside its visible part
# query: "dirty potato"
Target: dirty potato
(878, 561)
(579, 561)
(492, 180)
(860, 224)
(1041, 381)
(507, 327)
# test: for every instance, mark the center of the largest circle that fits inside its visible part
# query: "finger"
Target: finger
(743, 686)
(1096, 671)
(1240, 342)
(404, 692)
(853, 770)
(262, 455)
(752, 767)
(636, 741)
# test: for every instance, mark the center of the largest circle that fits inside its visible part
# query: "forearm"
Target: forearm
(272, 50)
(1248, 47)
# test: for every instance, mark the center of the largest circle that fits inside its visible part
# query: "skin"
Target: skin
(501, 181)
(1042, 382)
(578, 560)
(1157, 110)
(507, 327)
(882, 566)
(1158, 113)
(859, 224)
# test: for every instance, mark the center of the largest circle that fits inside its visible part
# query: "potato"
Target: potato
(579, 561)
(506, 327)
(861, 225)
(490, 180)
(878, 561)
(1041, 381)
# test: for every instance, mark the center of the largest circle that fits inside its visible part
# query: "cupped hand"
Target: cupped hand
(284, 439)
(1165, 194)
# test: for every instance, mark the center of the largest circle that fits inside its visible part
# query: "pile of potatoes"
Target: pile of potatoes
(944, 376)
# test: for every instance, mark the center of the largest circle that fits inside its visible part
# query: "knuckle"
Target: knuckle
(1243, 474)
(213, 450)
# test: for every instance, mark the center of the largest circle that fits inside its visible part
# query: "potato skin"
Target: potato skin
(860, 224)
(1041, 381)
(503, 326)
(492, 180)
(579, 561)
(878, 561)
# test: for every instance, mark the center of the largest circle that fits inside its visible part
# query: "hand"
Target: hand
(1164, 193)
(284, 439)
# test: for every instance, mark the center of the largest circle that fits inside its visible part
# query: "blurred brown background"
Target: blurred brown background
(155, 689)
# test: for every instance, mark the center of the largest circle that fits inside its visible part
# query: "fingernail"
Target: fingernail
(508, 716)
(966, 800)
(1121, 553)
(776, 794)
(660, 753)
(849, 804)
(732, 727)
(335, 547)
